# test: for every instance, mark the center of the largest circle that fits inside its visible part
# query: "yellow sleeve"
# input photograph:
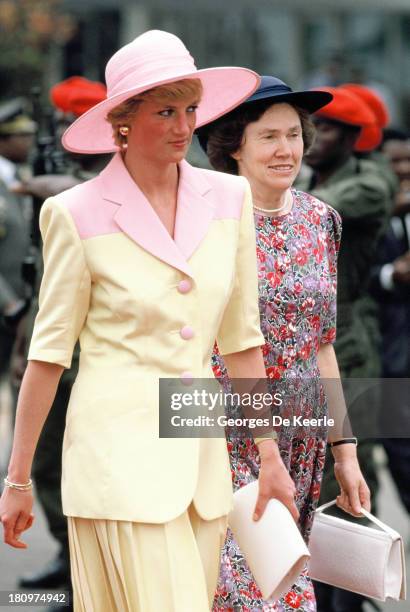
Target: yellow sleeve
(240, 326)
(65, 288)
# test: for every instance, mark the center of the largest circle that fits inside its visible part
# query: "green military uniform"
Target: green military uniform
(360, 193)
(368, 307)
(14, 247)
(14, 218)
(385, 171)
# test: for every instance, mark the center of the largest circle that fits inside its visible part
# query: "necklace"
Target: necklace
(271, 210)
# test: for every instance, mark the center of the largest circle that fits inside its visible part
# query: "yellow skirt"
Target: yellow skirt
(121, 566)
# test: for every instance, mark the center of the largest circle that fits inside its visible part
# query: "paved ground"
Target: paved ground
(393, 513)
(14, 563)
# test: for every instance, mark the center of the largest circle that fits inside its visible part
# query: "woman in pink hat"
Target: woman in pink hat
(132, 268)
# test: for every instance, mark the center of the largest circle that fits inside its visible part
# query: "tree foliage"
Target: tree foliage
(29, 30)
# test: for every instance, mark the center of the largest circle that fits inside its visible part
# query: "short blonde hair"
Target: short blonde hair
(126, 111)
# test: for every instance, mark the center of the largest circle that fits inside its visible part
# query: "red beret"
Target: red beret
(375, 102)
(347, 107)
(77, 95)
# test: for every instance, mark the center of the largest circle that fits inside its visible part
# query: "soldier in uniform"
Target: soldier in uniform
(359, 192)
(390, 285)
(16, 140)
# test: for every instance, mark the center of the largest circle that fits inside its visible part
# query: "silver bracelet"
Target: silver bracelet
(17, 486)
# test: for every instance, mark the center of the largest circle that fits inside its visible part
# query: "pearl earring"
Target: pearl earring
(123, 131)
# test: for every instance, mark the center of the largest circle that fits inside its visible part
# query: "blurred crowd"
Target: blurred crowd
(366, 179)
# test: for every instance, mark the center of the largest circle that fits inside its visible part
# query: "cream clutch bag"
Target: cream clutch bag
(357, 558)
(273, 546)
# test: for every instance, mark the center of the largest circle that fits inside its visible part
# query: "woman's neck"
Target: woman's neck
(153, 179)
(277, 203)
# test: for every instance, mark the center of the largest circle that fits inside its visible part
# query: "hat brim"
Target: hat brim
(224, 88)
(311, 101)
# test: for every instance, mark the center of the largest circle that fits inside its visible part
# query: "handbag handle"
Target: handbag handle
(394, 534)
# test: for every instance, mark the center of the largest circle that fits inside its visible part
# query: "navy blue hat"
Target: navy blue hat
(272, 88)
(277, 91)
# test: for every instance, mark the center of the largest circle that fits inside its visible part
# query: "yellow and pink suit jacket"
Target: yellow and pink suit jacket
(144, 305)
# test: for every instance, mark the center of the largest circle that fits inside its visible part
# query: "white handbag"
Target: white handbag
(357, 558)
(273, 546)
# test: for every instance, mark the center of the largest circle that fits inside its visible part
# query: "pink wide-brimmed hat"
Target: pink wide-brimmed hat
(152, 59)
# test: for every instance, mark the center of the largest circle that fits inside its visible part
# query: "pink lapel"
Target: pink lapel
(195, 212)
(136, 217)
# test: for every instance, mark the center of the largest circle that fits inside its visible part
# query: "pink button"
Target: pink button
(184, 286)
(187, 378)
(187, 332)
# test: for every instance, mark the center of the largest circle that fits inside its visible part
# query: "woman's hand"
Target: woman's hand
(274, 481)
(36, 395)
(354, 491)
(15, 515)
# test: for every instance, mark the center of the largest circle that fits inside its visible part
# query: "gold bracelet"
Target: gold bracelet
(18, 487)
(270, 435)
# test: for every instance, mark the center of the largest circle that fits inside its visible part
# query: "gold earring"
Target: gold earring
(124, 130)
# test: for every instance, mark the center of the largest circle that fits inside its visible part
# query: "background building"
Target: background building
(305, 42)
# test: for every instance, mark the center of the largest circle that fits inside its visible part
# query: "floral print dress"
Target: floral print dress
(297, 257)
